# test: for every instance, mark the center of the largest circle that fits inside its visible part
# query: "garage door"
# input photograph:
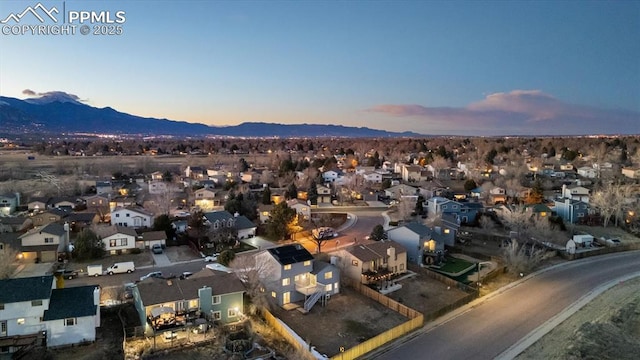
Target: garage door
(48, 256)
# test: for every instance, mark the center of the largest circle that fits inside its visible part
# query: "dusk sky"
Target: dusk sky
(431, 67)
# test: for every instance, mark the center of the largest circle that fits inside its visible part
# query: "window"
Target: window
(215, 225)
(1, 306)
(273, 294)
(328, 275)
(48, 240)
(36, 302)
(215, 299)
(287, 267)
(112, 243)
(20, 321)
(217, 315)
(232, 313)
(3, 328)
(444, 207)
(401, 267)
(307, 263)
(193, 304)
(446, 231)
(354, 262)
(286, 281)
(117, 215)
(70, 322)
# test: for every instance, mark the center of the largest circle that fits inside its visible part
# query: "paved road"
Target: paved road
(490, 326)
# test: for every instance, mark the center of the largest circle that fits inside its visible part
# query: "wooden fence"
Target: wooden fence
(449, 281)
(416, 320)
(288, 335)
(601, 251)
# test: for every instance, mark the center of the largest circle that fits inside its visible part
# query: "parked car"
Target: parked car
(121, 268)
(211, 258)
(67, 273)
(185, 275)
(156, 249)
(153, 274)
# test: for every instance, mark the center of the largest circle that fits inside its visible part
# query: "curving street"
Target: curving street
(489, 326)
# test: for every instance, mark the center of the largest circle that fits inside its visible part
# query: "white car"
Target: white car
(211, 258)
(155, 274)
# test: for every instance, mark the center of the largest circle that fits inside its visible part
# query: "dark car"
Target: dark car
(156, 248)
(67, 273)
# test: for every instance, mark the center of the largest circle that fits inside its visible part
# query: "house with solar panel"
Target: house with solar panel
(296, 279)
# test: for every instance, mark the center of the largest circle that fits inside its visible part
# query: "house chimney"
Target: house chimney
(391, 252)
(96, 302)
(236, 214)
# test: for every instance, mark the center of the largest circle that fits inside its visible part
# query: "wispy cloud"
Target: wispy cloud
(53, 96)
(517, 112)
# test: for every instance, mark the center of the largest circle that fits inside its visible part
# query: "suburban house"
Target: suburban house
(497, 195)
(37, 204)
(206, 199)
(98, 203)
(631, 173)
(571, 210)
(157, 176)
(14, 224)
(333, 176)
(134, 217)
(324, 195)
(103, 187)
(411, 173)
(538, 210)
(264, 212)
(398, 192)
(215, 295)
(575, 192)
(49, 216)
(302, 208)
(64, 203)
(80, 220)
(588, 172)
(466, 211)
(180, 226)
(195, 172)
(150, 238)
(223, 219)
(117, 239)
(9, 203)
(290, 274)
(372, 177)
(370, 263)
(34, 312)
(425, 246)
(44, 243)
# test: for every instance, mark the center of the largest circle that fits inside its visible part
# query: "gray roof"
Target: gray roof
(9, 220)
(157, 291)
(218, 216)
(25, 289)
(71, 302)
(418, 228)
(242, 222)
(106, 231)
(375, 251)
(154, 235)
(53, 229)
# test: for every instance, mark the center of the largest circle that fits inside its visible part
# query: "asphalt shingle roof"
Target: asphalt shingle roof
(25, 289)
(71, 302)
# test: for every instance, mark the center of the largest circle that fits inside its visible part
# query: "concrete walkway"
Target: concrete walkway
(161, 260)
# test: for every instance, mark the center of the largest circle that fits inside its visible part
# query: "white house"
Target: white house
(301, 208)
(372, 177)
(573, 192)
(332, 176)
(588, 172)
(34, 311)
(9, 203)
(117, 239)
(133, 217)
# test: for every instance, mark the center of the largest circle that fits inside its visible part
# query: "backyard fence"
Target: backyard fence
(449, 281)
(289, 335)
(416, 320)
(601, 251)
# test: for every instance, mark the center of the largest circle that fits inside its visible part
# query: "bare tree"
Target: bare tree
(7, 262)
(255, 271)
(610, 201)
(405, 208)
(520, 259)
(438, 164)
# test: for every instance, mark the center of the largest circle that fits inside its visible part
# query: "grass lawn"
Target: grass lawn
(455, 266)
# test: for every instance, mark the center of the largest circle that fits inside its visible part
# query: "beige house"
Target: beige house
(632, 173)
(44, 243)
(206, 199)
(373, 262)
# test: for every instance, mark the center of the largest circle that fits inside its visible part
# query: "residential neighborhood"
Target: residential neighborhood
(226, 241)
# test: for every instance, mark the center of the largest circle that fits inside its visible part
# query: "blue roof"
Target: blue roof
(71, 302)
(25, 289)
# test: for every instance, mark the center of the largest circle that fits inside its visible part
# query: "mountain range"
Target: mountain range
(61, 113)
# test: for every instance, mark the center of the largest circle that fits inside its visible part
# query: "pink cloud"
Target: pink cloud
(520, 111)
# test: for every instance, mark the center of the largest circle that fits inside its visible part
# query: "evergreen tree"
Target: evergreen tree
(312, 194)
(266, 196)
(378, 233)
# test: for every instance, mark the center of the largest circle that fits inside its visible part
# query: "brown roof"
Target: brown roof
(156, 291)
(154, 235)
(374, 251)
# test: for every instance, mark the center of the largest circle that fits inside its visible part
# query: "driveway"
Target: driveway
(161, 260)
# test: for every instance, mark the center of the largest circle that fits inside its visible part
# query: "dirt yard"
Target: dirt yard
(349, 319)
(181, 253)
(425, 294)
(606, 328)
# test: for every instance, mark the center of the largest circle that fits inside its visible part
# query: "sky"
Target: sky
(430, 67)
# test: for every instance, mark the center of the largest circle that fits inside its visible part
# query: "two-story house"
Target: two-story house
(44, 243)
(294, 276)
(49, 216)
(133, 217)
(333, 176)
(34, 312)
(117, 239)
(218, 220)
(372, 177)
(216, 295)
(373, 262)
(302, 208)
(572, 211)
(425, 245)
(466, 211)
(206, 199)
(575, 192)
(104, 188)
(324, 195)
